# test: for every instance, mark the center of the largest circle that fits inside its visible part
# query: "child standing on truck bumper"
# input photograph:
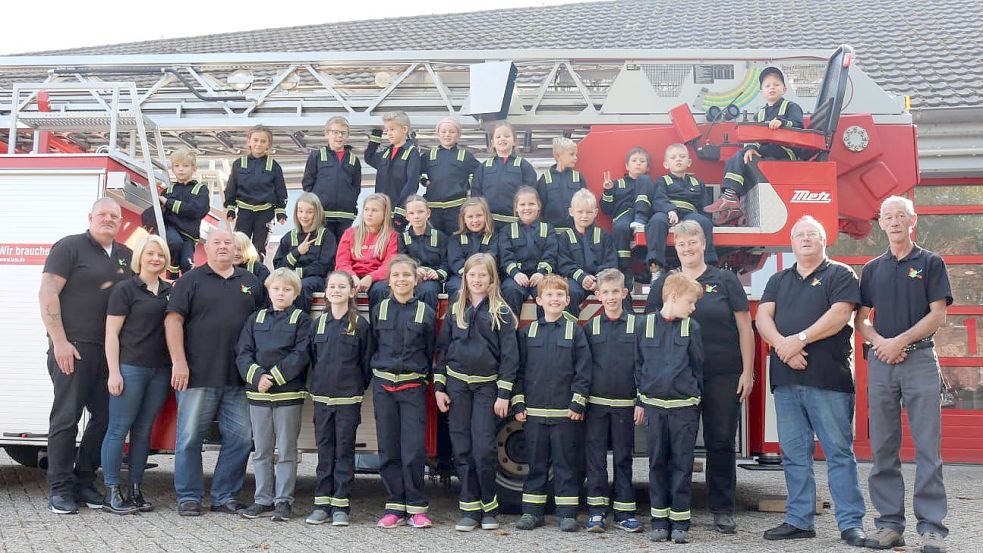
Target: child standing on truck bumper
(256, 190)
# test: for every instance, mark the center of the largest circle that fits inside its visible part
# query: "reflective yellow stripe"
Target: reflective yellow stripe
(176, 206)
(546, 266)
(261, 316)
(339, 502)
(491, 505)
(783, 107)
(446, 205)
(790, 152)
(421, 311)
(322, 323)
(546, 413)
(440, 378)
(595, 326)
(504, 385)
(252, 372)
(504, 218)
(597, 235)
(339, 214)
(536, 498)
(624, 253)
(329, 400)
(396, 378)
(269, 163)
(277, 375)
(395, 506)
(533, 329)
(416, 509)
(469, 505)
(469, 379)
(576, 176)
(570, 317)
(597, 501)
(650, 325)
(679, 515)
(668, 403)
(608, 402)
(324, 153)
(568, 331)
(322, 500)
(579, 399)
(684, 327)
(625, 212)
(643, 198)
(659, 513)
(517, 399)
(252, 207)
(548, 176)
(577, 274)
(624, 506)
(384, 310)
(280, 396)
(630, 325)
(566, 500)
(461, 153)
(683, 204)
(544, 230)
(734, 177)
(291, 259)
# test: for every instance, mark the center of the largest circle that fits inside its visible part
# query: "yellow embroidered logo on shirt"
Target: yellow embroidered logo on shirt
(815, 282)
(915, 273)
(244, 289)
(710, 288)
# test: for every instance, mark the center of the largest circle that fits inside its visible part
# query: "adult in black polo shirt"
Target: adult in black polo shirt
(804, 315)
(139, 371)
(907, 288)
(728, 378)
(207, 310)
(75, 285)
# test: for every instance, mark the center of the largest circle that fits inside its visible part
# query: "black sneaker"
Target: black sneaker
(255, 510)
(786, 531)
(282, 512)
(137, 499)
(88, 494)
(230, 507)
(528, 522)
(63, 505)
(190, 508)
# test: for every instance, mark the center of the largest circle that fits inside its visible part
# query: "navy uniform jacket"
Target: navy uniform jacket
(449, 172)
(556, 189)
(554, 369)
(498, 180)
(586, 254)
(669, 362)
(612, 381)
(790, 114)
(462, 246)
(478, 354)
(429, 249)
(340, 358)
(403, 335)
(256, 184)
(276, 343)
(396, 176)
(620, 200)
(528, 249)
(261, 272)
(686, 193)
(337, 183)
(651, 198)
(319, 259)
(187, 205)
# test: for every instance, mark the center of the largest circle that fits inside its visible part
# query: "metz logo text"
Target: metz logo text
(807, 197)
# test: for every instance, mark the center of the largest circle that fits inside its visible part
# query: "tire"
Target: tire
(513, 466)
(26, 455)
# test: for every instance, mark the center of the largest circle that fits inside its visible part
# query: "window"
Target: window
(960, 234)
(960, 336)
(968, 194)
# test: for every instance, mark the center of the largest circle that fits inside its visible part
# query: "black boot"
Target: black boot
(137, 500)
(116, 503)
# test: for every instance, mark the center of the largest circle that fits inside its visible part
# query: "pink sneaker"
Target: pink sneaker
(420, 520)
(391, 521)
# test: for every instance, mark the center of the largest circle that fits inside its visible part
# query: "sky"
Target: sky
(74, 23)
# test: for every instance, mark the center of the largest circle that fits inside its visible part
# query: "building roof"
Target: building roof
(932, 51)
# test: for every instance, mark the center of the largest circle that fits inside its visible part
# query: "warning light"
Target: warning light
(847, 59)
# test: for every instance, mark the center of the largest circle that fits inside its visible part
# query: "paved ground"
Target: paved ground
(26, 524)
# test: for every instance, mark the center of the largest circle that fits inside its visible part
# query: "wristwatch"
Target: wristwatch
(803, 337)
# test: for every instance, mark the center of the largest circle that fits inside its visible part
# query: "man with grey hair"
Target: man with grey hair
(804, 315)
(78, 275)
(208, 308)
(907, 291)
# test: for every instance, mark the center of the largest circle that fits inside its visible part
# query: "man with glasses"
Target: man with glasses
(804, 315)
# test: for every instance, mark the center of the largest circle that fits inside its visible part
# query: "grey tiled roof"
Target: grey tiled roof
(931, 50)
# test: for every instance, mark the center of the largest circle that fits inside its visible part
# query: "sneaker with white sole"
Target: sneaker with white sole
(489, 522)
(466, 524)
(317, 516)
(390, 520)
(420, 520)
(933, 542)
(339, 518)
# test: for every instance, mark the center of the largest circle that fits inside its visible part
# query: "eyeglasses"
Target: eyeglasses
(807, 234)
(337, 132)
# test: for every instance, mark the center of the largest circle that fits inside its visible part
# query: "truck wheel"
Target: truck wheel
(512, 466)
(26, 455)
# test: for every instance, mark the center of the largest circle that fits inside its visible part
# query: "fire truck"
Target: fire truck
(80, 127)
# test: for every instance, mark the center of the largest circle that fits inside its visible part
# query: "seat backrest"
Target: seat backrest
(826, 115)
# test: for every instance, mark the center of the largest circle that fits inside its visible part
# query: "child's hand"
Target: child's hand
(444, 401)
(230, 215)
(376, 132)
(774, 124)
(673, 218)
(639, 416)
(281, 218)
(501, 408)
(608, 184)
(305, 246)
(265, 383)
(365, 283)
(432, 274)
(520, 417)
(589, 283)
(574, 416)
(536, 278)
(521, 279)
(750, 154)
(162, 200)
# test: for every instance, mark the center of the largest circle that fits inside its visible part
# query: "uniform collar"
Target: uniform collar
(427, 232)
(163, 285)
(605, 319)
(94, 242)
(557, 171)
(191, 182)
(915, 253)
(822, 267)
(235, 273)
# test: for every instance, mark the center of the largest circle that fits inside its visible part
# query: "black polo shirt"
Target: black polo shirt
(722, 296)
(214, 309)
(800, 302)
(900, 290)
(141, 340)
(89, 274)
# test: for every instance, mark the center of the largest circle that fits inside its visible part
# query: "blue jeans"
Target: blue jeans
(144, 392)
(196, 409)
(802, 412)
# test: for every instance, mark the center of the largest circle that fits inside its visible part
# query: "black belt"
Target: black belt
(924, 343)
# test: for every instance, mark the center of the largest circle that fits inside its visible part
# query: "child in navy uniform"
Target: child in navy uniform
(256, 190)
(585, 250)
(619, 201)
(428, 246)
(334, 174)
(475, 235)
(610, 413)
(308, 249)
(447, 173)
(528, 250)
(341, 346)
(397, 167)
(403, 331)
(551, 397)
(559, 183)
(501, 176)
(738, 178)
(681, 199)
(669, 378)
(184, 204)
(474, 377)
(272, 356)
